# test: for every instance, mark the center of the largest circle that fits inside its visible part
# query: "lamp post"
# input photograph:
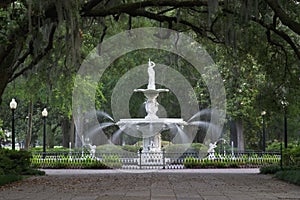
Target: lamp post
(263, 113)
(44, 114)
(13, 106)
(285, 104)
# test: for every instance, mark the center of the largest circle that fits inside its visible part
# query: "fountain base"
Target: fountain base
(150, 130)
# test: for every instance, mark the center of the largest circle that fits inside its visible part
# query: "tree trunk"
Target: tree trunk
(4, 77)
(240, 136)
(71, 132)
(237, 134)
(65, 126)
(29, 128)
(233, 133)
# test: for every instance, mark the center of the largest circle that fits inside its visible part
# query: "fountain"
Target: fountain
(149, 129)
(151, 126)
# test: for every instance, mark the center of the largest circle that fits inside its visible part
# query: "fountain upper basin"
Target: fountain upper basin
(151, 90)
(140, 121)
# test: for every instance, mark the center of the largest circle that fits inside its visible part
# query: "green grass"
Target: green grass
(5, 179)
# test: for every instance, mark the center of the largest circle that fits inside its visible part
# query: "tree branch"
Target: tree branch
(130, 7)
(91, 4)
(281, 34)
(284, 18)
(39, 56)
(24, 56)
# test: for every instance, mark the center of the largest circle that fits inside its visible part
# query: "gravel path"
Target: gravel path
(233, 184)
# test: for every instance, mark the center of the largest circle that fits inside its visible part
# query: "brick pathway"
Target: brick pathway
(226, 184)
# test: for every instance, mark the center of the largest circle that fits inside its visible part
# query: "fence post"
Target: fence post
(140, 150)
(164, 158)
(281, 164)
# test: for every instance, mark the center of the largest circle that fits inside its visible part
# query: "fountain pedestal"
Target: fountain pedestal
(151, 103)
(152, 143)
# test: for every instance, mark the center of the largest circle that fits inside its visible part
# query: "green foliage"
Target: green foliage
(231, 162)
(274, 146)
(51, 150)
(108, 148)
(66, 162)
(291, 156)
(175, 148)
(2, 134)
(14, 162)
(131, 148)
(9, 178)
(254, 64)
(271, 169)
(112, 161)
(189, 148)
(291, 176)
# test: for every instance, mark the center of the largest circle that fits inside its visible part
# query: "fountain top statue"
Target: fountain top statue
(151, 89)
(151, 93)
(151, 74)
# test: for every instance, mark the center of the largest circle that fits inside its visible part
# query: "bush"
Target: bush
(194, 147)
(5, 179)
(55, 149)
(108, 148)
(14, 162)
(131, 148)
(291, 176)
(112, 161)
(291, 156)
(66, 162)
(230, 162)
(271, 169)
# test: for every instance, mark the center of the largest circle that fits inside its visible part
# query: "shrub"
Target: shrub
(108, 148)
(14, 162)
(230, 162)
(291, 156)
(112, 161)
(271, 169)
(131, 148)
(175, 148)
(5, 179)
(292, 176)
(66, 162)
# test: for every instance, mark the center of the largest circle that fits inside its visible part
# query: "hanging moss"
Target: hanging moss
(67, 12)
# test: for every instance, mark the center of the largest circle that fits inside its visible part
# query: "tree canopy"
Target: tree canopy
(256, 44)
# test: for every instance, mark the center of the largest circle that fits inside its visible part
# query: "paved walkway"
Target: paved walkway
(226, 184)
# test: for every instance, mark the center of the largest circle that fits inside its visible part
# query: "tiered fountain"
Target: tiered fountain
(151, 126)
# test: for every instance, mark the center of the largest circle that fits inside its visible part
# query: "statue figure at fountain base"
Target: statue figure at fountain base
(211, 150)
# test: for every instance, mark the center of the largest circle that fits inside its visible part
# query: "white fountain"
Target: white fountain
(151, 126)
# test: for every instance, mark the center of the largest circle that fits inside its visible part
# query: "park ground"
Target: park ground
(203, 184)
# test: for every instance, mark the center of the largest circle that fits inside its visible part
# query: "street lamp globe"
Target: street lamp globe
(284, 103)
(45, 112)
(263, 113)
(13, 104)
